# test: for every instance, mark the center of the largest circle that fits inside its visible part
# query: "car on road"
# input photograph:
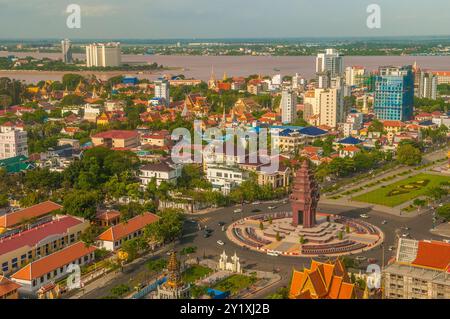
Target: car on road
(237, 211)
(221, 243)
(221, 224)
(365, 216)
(256, 210)
(206, 235)
(271, 207)
(391, 248)
(405, 235)
(384, 222)
(272, 253)
(256, 203)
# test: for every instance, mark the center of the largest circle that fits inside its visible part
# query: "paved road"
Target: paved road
(419, 229)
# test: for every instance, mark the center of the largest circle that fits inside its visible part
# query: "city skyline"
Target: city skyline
(212, 19)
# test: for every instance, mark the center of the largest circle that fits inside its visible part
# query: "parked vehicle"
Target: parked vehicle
(221, 243)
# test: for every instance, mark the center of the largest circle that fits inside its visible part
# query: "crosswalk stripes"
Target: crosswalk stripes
(204, 220)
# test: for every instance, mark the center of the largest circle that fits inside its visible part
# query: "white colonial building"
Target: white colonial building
(163, 171)
(225, 178)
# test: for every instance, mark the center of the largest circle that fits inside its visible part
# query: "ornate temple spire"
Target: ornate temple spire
(174, 276)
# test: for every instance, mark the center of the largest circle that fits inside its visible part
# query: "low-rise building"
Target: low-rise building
(421, 270)
(27, 215)
(107, 218)
(225, 178)
(8, 288)
(53, 267)
(116, 139)
(19, 249)
(113, 238)
(349, 151)
(162, 171)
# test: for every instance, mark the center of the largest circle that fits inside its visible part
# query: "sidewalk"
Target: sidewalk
(105, 279)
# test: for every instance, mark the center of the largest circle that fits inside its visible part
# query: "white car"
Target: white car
(384, 222)
(256, 203)
(365, 216)
(237, 211)
(221, 243)
(271, 207)
(272, 253)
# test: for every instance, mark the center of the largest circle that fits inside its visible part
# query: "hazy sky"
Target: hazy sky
(221, 18)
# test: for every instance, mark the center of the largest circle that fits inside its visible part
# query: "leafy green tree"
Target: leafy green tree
(409, 155)
(71, 81)
(82, 203)
(130, 210)
(4, 201)
(167, 228)
(444, 212)
(376, 126)
(436, 193)
(71, 99)
(89, 235)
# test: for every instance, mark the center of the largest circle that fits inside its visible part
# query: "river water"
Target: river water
(199, 67)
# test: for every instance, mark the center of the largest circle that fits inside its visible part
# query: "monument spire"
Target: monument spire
(304, 197)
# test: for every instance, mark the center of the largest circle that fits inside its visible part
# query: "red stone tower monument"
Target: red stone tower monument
(304, 197)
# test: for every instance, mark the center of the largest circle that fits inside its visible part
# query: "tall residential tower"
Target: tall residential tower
(394, 93)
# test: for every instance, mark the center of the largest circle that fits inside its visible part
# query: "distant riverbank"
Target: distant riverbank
(200, 67)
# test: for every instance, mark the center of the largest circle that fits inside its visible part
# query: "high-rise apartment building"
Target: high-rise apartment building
(330, 61)
(66, 47)
(427, 85)
(288, 106)
(324, 107)
(162, 90)
(13, 141)
(103, 55)
(355, 75)
(394, 93)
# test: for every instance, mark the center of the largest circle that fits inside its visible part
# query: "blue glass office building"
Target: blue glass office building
(394, 93)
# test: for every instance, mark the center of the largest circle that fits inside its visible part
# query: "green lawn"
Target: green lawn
(195, 272)
(402, 191)
(235, 283)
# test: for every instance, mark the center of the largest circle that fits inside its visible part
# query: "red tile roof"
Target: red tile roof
(53, 261)
(117, 134)
(122, 230)
(33, 236)
(442, 73)
(107, 215)
(7, 286)
(351, 148)
(393, 124)
(35, 211)
(433, 254)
